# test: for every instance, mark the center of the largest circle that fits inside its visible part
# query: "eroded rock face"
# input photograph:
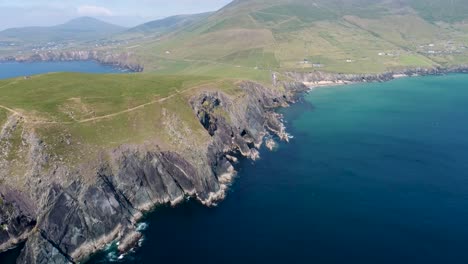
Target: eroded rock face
(39, 250)
(17, 217)
(238, 126)
(74, 215)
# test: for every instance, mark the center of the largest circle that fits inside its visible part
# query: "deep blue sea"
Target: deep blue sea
(375, 173)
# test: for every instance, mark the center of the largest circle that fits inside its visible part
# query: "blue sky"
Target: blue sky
(124, 12)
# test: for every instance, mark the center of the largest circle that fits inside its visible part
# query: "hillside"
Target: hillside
(84, 156)
(250, 38)
(355, 36)
(166, 25)
(79, 29)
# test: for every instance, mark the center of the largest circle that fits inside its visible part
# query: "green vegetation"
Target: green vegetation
(79, 114)
(355, 36)
(249, 38)
(68, 97)
(436, 10)
(161, 26)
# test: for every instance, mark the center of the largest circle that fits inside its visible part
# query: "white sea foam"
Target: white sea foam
(142, 226)
(140, 242)
(112, 256)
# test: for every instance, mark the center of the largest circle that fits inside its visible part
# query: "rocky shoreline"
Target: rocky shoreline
(120, 60)
(64, 218)
(319, 78)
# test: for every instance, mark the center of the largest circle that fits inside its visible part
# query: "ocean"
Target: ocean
(374, 173)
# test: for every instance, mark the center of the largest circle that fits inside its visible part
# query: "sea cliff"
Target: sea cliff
(64, 213)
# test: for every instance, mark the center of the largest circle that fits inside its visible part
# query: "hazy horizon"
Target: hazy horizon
(120, 12)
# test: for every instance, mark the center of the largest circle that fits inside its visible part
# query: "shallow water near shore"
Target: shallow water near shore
(376, 173)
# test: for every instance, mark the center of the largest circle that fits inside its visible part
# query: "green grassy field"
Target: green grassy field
(76, 116)
(68, 97)
(342, 36)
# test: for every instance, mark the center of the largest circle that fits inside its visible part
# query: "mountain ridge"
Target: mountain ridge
(81, 28)
(355, 36)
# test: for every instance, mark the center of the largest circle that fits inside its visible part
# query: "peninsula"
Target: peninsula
(84, 156)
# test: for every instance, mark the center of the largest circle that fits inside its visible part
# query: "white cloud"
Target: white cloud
(91, 10)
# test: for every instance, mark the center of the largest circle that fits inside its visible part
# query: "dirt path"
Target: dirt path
(160, 100)
(137, 107)
(11, 110)
(10, 83)
(125, 111)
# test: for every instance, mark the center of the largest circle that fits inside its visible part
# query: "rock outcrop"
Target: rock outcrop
(65, 213)
(17, 217)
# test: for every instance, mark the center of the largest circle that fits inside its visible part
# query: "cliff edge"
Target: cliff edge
(65, 213)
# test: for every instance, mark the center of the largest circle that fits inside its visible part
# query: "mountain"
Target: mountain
(83, 157)
(168, 24)
(79, 29)
(333, 35)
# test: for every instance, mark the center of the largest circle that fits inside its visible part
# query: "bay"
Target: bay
(16, 69)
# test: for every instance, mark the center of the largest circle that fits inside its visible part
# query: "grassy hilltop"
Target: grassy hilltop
(78, 115)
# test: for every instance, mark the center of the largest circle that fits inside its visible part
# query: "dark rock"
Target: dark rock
(39, 250)
(76, 218)
(17, 217)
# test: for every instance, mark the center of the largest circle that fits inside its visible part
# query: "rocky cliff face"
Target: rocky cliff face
(122, 60)
(65, 214)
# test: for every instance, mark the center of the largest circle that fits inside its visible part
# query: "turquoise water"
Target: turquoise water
(376, 173)
(15, 69)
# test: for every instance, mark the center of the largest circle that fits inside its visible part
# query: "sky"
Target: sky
(20, 13)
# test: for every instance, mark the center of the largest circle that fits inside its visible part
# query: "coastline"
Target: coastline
(125, 61)
(250, 122)
(237, 125)
(317, 79)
